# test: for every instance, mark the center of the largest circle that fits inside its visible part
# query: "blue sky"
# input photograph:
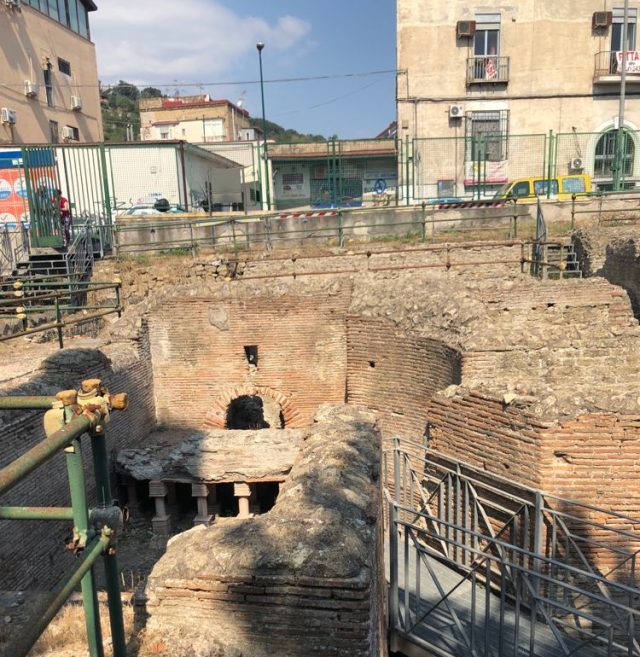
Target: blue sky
(207, 41)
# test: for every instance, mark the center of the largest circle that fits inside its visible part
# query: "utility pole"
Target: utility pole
(259, 47)
(619, 161)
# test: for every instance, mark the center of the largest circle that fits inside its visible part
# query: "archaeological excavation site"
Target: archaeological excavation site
(382, 449)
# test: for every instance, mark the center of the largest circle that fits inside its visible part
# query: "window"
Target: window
(48, 84)
(616, 36)
(165, 133)
(521, 189)
(71, 13)
(616, 29)
(64, 66)
(486, 40)
(605, 156)
(540, 187)
(292, 178)
(54, 132)
(73, 132)
(575, 185)
(487, 136)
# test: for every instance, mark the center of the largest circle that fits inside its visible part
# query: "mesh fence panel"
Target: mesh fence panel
(474, 167)
(595, 153)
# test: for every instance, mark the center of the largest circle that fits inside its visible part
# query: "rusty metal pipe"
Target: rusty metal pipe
(36, 513)
(33, 402)
(29, 461)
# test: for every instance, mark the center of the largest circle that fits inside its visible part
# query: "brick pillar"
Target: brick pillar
(200, 492)
(242, 491)
(161, 522)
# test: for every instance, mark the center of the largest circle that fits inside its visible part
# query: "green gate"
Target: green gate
(42, 180)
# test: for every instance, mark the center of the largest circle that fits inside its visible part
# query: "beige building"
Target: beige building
(490, 80)
(196, 119)
(48, 74)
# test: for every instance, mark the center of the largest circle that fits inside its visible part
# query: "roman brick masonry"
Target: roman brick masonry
(457, 348)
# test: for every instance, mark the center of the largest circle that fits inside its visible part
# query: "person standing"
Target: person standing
(65, 218)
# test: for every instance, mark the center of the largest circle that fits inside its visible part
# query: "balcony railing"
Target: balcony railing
(608, 66)
(487, 69)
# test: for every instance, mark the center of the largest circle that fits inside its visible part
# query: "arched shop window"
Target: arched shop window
(605, 154)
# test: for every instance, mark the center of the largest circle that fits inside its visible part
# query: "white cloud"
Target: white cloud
(195, 40)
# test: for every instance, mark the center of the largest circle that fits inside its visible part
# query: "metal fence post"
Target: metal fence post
(340, 229)
(406, 173)
(573, 211)
(393, 574)
(81, 526)
(103, 487)
(59, 322)
(549, 164)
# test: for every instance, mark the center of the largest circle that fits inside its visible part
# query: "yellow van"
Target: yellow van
(562, 187)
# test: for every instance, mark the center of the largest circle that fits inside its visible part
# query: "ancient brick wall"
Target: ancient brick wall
(593, 458)
(396, 372)
(302, 580)
(482, 430)
(198, 352)
(32, 552)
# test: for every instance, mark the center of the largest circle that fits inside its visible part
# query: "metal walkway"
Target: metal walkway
(478, 565)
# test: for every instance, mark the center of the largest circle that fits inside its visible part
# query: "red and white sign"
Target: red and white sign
(491, 71)
(633, 61)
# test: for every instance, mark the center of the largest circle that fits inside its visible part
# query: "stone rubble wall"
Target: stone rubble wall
(303, 579)
(32, 552)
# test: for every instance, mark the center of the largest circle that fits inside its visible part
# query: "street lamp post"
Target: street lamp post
(260, 46)
(619, 159)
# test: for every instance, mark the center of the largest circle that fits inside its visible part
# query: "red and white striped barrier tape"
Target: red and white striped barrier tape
(297, 215)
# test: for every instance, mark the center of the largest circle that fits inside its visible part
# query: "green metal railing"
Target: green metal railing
(54, 303)
(70, 415)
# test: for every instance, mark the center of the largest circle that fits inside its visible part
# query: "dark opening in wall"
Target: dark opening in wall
(266, 495)
(252, 412)
(372, 363)
(251, 354)
(227, 501)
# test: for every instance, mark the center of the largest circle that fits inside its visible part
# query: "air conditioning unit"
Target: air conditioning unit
(601, 19)
(465, 29)
(9, 116)
(67, 132)
(30, 89)
(456, 111)
(576, 164)
(76, 103)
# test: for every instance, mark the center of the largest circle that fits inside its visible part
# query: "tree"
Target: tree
(150, 92)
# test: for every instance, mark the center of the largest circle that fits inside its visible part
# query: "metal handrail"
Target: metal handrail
(487, 68)
(555, 582)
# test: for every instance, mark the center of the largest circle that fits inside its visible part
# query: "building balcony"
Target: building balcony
(608, 67)
(489, 69)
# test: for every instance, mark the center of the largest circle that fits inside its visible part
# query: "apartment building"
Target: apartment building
(480, 87)
(196, 119)
(48, 73)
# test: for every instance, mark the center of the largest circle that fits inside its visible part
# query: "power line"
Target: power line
(176, 84)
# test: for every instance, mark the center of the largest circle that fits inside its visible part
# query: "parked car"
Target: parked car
(160, 206)
(562, 187)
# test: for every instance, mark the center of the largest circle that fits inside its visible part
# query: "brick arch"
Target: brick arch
(217, 414)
